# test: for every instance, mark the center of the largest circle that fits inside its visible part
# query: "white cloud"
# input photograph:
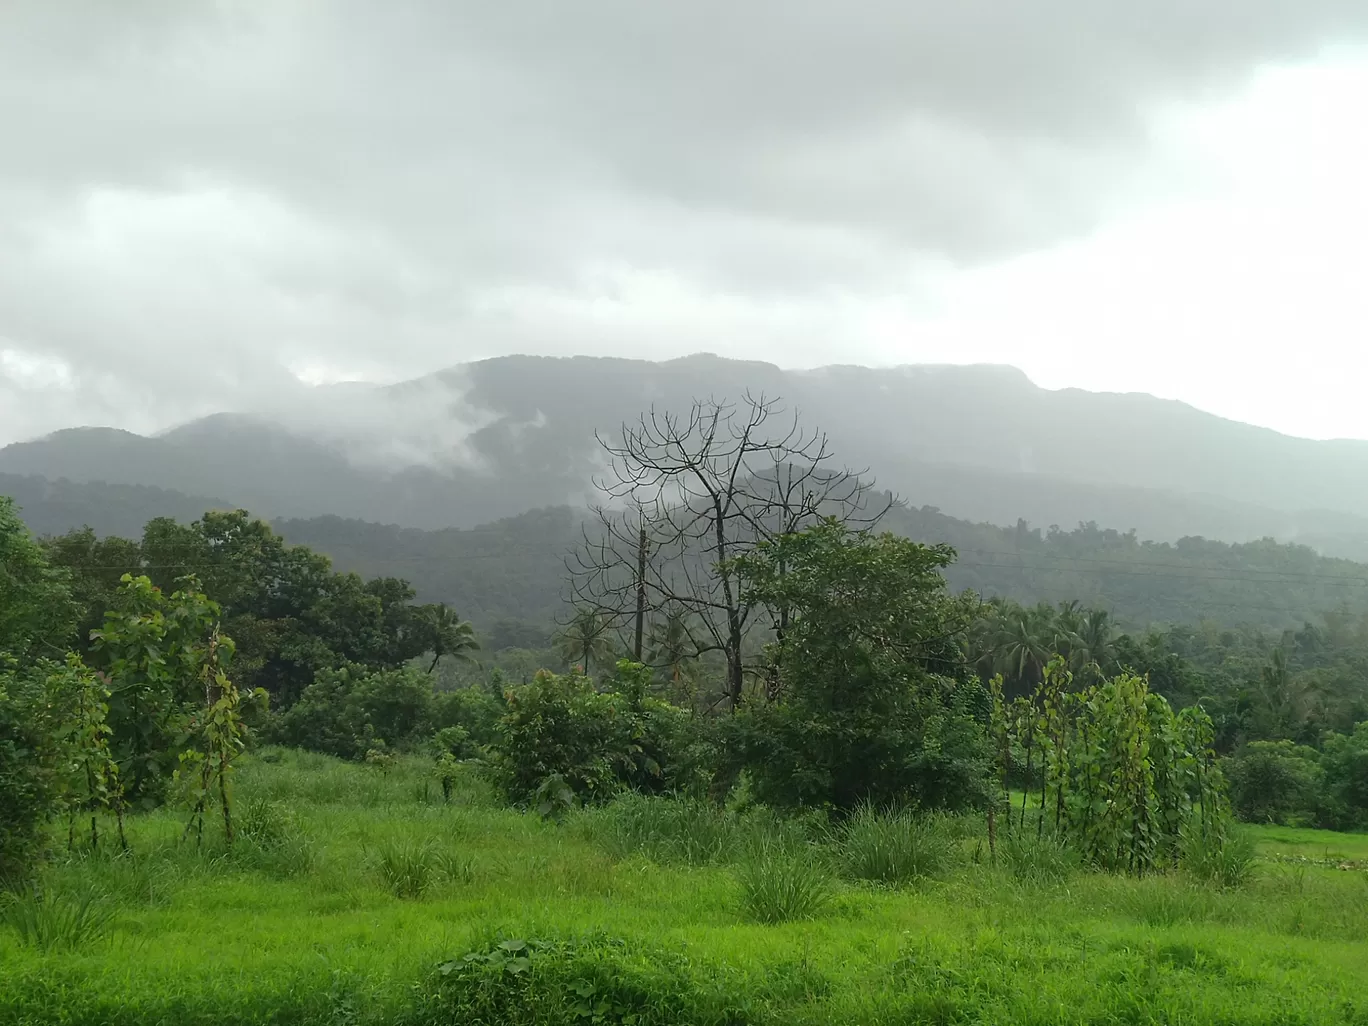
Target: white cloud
(204, 206)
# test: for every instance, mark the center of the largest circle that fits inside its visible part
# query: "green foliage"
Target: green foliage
(1274, 782)
(348, 710)
(36, 611)
(781, 886)
(895, 849)
(1344, 764)
(872, 701)
(152, 647)
(1222, 854)
(596, 742)
(406, 865)
(1036, 857)
(593, 979)
(56, 922)
(32, 764)
(687, 831)
(92, 776)
(217, 734)
(1119, 774)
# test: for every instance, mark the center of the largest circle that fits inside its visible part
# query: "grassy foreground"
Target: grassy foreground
(354, 896)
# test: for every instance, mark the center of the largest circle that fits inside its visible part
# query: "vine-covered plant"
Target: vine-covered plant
(91, 774)
(218, 736)
(1112, 769)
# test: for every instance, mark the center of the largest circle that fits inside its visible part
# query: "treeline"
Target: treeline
(514, 570)
(509, 574)
(290, 613)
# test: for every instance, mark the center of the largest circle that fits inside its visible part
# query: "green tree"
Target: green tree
(445, 633)
(347, 710)
(36, 611)
(875, 704)
(585, 639)
(152, 647)
(672, 647)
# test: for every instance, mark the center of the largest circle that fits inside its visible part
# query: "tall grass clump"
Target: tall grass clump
(1037, 858)
(1223, 857)
(895, 849)
(56, 921)
(407, 866)
(780, 887)
(271, 841)
(687, 831)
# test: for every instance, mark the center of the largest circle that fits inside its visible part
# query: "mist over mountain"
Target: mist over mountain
(496, 438)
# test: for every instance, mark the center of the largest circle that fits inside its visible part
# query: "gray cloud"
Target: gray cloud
(196, 198)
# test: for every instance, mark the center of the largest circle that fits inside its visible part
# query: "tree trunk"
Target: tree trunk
(640, 594)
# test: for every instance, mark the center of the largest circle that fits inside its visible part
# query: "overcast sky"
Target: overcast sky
(203, 205)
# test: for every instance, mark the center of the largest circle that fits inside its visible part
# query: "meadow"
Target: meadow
(354, 894)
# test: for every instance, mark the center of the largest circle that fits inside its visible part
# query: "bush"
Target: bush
(29, 757)
(1274, 782)
(778, 887)
(597, 743)
(1344, 769)
(894, 849)
(351, 710)
(594, 979)
(407, 866)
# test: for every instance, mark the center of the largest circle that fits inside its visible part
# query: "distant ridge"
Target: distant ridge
(482, 441)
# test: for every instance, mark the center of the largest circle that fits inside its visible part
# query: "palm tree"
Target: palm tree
(447, 634)
(1093, 647)
(585, 638)
(671, 643)
(1023, 643)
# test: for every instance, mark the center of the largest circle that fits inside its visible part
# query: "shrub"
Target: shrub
(29, 757)
(269, 839)
(596, 742)
(594, 979)
(52, 922)
(1344, 766)
(858, 715)
(894, 849)
(351, 710)
(778, 887)
(1274, 782)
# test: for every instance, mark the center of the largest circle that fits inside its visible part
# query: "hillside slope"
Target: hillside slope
(494, 439)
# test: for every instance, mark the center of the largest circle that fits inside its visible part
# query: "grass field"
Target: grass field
(349, 888)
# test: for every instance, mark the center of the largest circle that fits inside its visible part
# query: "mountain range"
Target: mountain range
(496, 438)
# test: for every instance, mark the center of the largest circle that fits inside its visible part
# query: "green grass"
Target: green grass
(623, 915)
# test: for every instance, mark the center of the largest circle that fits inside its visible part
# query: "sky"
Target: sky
(214, 206)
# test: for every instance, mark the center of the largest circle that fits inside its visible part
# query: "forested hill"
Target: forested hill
(496, 438)
(514, 569)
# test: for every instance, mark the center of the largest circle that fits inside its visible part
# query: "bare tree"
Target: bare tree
(684, 495)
